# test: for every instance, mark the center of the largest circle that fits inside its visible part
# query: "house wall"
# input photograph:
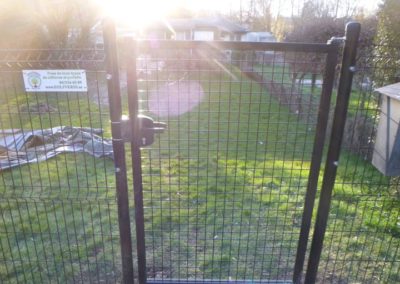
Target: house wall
(225, 36)
(258, 37)
(183, 35)
(203, 35)
(180, 36)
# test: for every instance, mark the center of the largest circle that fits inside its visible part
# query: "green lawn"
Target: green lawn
(224, 184)
(58, 218)
(223, 191)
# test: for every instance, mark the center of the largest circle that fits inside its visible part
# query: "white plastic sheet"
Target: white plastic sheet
(22, 147)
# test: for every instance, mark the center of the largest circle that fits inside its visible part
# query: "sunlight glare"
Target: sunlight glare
(138, 13)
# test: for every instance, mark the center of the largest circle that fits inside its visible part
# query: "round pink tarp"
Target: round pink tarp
(176, 98)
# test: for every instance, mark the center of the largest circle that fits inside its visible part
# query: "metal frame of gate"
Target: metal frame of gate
(135, 127)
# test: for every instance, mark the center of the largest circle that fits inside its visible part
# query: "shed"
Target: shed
(386, 156)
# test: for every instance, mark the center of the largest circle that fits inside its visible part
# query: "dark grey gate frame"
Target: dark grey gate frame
(344, 89)
(331, 49)
(114, 97)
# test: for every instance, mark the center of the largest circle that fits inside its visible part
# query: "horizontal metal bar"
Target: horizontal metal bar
(50, 49)
(239, 45)
(179, 281)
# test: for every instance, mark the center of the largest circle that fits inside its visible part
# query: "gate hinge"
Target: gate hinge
(147, 128)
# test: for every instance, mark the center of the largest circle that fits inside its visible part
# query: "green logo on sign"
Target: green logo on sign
(34, 80)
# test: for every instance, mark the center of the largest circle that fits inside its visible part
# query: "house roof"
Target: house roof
(222, 24)
(392, 91)
(188, 24)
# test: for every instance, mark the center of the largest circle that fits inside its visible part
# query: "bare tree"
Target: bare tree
(46, 23)
(264, 14)
(18, 26)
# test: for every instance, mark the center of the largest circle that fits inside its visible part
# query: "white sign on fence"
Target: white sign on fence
(55, 80)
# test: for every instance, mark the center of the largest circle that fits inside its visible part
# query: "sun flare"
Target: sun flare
(138, 13)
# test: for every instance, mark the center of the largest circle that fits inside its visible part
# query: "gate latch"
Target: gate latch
(147, 128)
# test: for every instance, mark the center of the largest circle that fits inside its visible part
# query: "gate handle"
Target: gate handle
(158, 127)
(147, 128)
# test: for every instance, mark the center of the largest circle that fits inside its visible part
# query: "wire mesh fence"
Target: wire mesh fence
(362, 242)
(224, 186)
(58, 216)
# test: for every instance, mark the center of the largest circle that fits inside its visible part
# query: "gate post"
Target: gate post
(133, 106)
(114, 98)
(316, 160)
(346, 77)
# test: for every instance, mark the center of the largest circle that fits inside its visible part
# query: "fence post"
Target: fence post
(114, 97)
(346, 77)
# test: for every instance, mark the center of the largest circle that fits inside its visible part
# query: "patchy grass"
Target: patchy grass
(58, 218)
(224, 185)
(223, 191)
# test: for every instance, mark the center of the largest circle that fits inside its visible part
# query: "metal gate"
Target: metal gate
(226, 192)
(227, 140)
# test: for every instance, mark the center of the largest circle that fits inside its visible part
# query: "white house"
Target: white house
(205, 29)
(258, 37)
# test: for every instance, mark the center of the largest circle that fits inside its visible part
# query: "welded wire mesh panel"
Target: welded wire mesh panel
(362, 243)
(224, 185)
(58, 219)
